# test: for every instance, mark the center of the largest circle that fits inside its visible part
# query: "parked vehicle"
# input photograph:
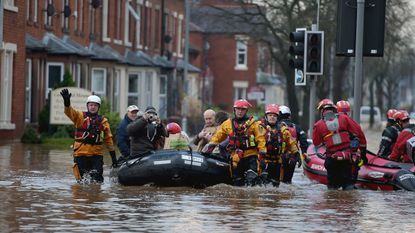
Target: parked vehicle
(365, 112)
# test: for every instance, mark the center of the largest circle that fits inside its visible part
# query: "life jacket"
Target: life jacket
(291, 127)
(90, 131)
(274, 141)
(240, 137)
(335, 139)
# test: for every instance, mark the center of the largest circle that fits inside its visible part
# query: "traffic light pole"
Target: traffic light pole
(358, 60)
(313, 87)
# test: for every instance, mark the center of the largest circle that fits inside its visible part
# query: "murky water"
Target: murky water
(38, 194)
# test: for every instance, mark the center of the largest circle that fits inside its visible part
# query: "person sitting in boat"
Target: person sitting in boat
(389, 134)
(278, 141)
(123, 140)
(342, 137)
(176, 138)
(289, 160)
(208, 130)
(91, 131)
(246, 144)
(399, 150)
(343, 107)
(145, 132)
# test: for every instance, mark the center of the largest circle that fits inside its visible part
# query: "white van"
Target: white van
(365, 115)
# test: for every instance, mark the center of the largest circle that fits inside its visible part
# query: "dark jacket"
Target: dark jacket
(301, 135)
(144, 136)
(389, 136)
(123, 140)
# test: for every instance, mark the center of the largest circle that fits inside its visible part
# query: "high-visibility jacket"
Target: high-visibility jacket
(90, 133)
(248, 136)
(399, 152)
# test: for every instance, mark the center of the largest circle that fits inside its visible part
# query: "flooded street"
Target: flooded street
(39, 194)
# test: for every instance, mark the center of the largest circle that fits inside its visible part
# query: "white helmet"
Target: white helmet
(93, 99)
(285, 110)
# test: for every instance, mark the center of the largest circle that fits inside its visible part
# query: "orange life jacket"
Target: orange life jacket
(240, 137)
(90, 130)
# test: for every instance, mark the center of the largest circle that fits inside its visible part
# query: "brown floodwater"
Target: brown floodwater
(39, 194)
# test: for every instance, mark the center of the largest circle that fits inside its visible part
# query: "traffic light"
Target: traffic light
(314, 52)
(297, 49)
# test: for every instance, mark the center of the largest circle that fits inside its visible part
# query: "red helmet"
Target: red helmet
(242, 103)
(272, 108)
(390, 113)
(325, 103)
(401, 115)
(173, 128)
(343, 106)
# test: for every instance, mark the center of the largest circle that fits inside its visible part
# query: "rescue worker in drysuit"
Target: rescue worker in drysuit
(279, 142)
(389, 134)
(402, 152)
(246, 144)
(342, 137)
(91, 131)
(289, 160)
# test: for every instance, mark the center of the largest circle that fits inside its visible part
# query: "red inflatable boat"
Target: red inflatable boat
(378, 174)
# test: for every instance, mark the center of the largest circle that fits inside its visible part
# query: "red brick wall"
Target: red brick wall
(14, 32)
(222, 60)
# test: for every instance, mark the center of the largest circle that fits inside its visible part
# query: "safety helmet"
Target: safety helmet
(343, 106)
(93, 99)
(285, 110)
(401, 115)
(325, 103)
(390, 113)
(272, 108)
(242, 103)
(173, 128)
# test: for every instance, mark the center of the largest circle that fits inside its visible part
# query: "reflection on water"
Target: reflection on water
(38, 193)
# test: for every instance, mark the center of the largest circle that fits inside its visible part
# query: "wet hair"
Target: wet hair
(220, 117)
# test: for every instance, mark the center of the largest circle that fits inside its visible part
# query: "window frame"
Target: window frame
(48, 64)
(101, 93)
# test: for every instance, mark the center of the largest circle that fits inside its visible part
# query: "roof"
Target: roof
(105, 53)
(190, 68)
(213, 20)
(55, 45)
(163, 62)
(82, 51)
(138, 58)
(33, 44)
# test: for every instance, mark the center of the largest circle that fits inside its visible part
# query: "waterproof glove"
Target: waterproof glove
(114, 159)
(261, 156)
(363, 156)
(66, 97)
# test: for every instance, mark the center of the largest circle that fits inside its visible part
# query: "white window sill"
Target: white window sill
(106, 39)
(118, 42)
(128, 44)
(241, 68)
(11, 8)
(7, 126)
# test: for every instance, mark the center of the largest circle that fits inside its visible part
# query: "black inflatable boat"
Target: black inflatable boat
(174, 168)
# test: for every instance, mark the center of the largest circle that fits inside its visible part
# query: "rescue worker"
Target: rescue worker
(176, 139)
(342, 137)
(343, 107)
(123, 140)
(399, 150)
(91, 131)
(208, 130)
(246, 144)
(278, 141)
(389, 134)
(145, 133)
(289, 160)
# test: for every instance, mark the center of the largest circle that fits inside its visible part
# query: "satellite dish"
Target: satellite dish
(96, 3)
(67, 11)
(50, 10)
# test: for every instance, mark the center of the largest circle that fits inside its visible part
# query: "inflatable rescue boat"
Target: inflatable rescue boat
(378, 174)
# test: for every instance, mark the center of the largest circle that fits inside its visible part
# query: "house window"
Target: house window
(163, 97)
(241, 54)
(179, 36)
(9, 5)
(105, 37)
(99, 81)
(55, 76)
(31, 10)
(127, 41)
(6, 86)
(134, 84)
(65, 20)
(48, 19)
(148, 88)
(239, 89)
(28, 91)
(116, 99)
